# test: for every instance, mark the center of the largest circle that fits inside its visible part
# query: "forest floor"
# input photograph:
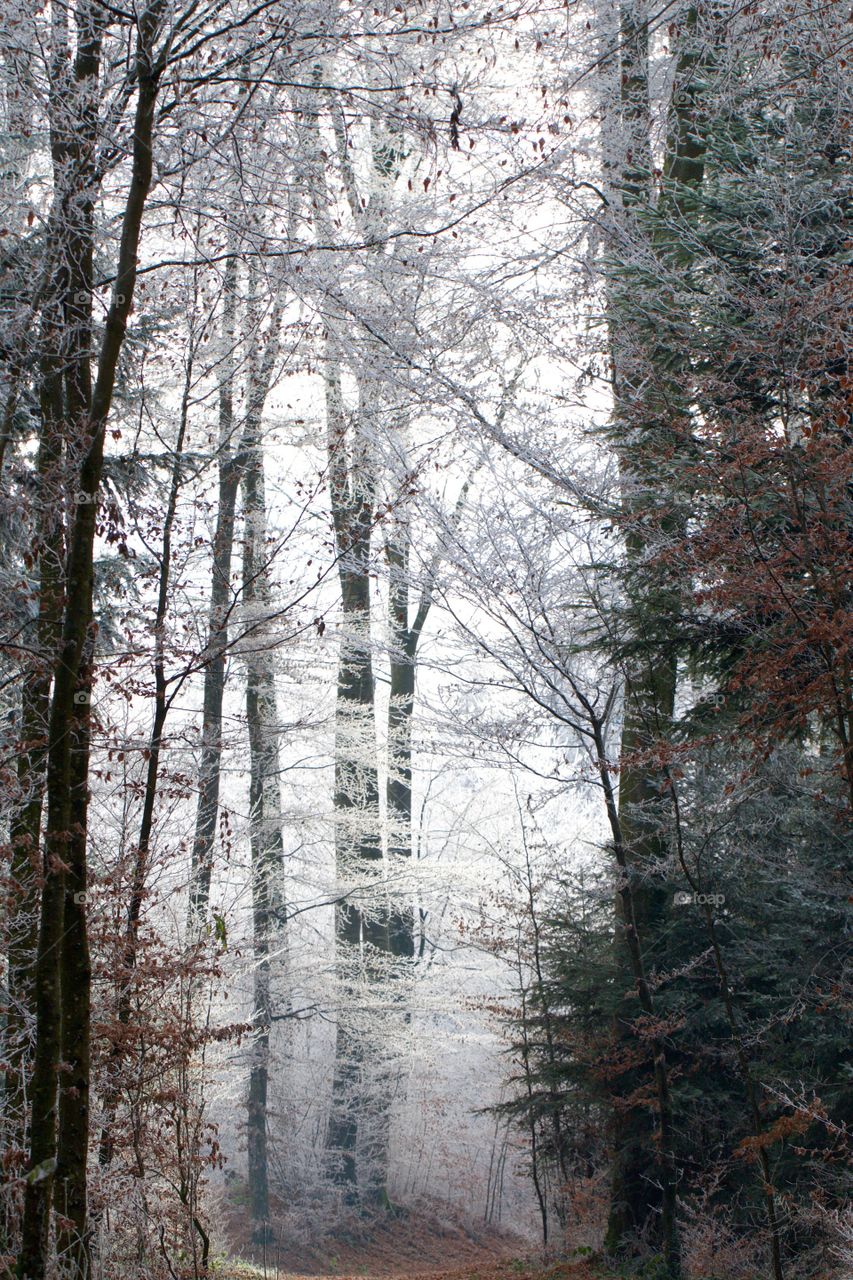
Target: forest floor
(513, 1269)
(409, 1247)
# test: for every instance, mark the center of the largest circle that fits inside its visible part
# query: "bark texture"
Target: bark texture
(265, 815)
(361, 933)
(58, 1160)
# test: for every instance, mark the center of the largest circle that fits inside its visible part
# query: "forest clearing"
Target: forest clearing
(426, 639)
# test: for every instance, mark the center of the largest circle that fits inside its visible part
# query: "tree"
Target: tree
(63, 972)
(274, 283)
(267, 846)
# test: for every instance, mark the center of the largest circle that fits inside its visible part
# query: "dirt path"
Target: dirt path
(412, 1244)
(515, 1269)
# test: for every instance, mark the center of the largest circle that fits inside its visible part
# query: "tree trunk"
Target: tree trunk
(25, 827)
(75, 982)
(219, 613)
(402, 653)
(358, 1116)
(149, 798)
(401, 704)
(649, 411)
(265, 816)
(362, 936)
(663, 1163)
(63, 975)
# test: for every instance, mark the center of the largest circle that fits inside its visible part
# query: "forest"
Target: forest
(426, 639)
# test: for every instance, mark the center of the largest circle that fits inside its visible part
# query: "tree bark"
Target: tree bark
(665, 1162)
(25, 827)
(361, 935)
(265, 816)
(130, 954)
(401, 705)
(63, 973)
(648, 425)
(221, 603)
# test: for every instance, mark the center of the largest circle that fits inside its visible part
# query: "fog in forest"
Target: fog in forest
(426, 693)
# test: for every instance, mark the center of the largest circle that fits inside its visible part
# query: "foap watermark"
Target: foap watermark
(84, 298)
(685, 899)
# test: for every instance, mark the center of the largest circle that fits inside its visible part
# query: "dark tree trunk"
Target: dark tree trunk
(149, 798)
(648, 411)
(63, 976)
(362, 935)
(219, 612)
(358, 1120)
(664, 1165)
(401, 706)
(405, 636)
(267, 845)
(70, 1187)
(25, 828)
